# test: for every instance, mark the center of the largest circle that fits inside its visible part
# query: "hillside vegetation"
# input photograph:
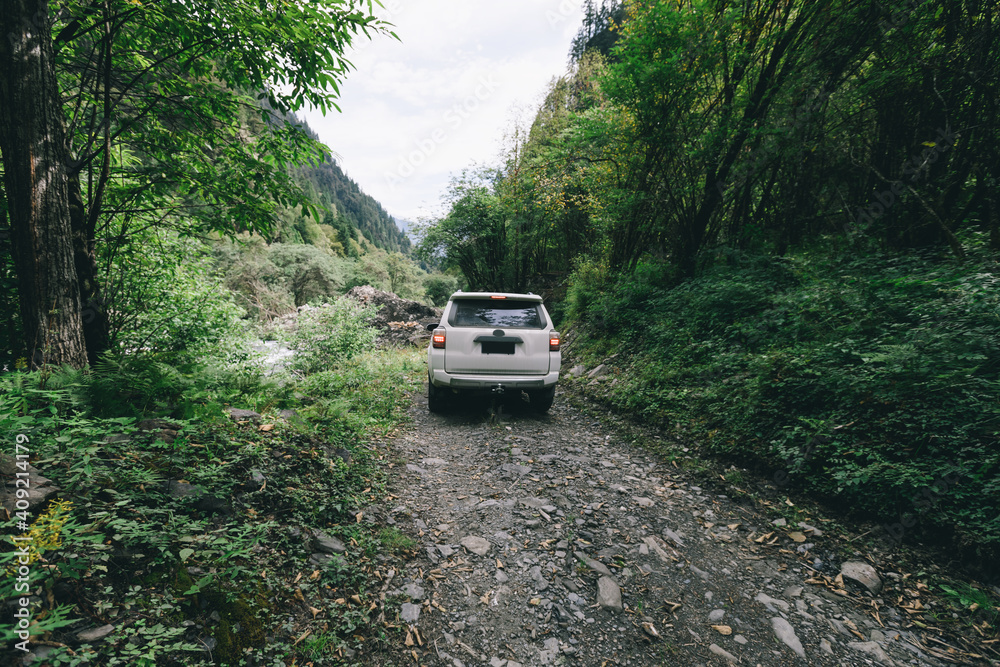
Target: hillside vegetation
(778, 223)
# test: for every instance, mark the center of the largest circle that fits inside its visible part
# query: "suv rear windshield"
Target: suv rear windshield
(496, 313)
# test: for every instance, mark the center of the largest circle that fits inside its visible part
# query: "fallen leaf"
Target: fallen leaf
(734, 526)
(266, 427)
(535, 601)
(650, 630)
(303, 636)
(723, 629)
(797, 536)
(315, 611)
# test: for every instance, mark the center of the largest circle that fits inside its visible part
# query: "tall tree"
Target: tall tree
(36, 179)
(174, 114)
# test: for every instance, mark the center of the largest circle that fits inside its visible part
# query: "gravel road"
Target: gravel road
(547, 540)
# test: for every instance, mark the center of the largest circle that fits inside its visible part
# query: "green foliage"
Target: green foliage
(166, 534)
(331, 334)
(170, 303)
(866, 379)
(440, 286)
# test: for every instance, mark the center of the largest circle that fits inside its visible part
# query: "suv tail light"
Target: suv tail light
(437, 341)
(553, 342)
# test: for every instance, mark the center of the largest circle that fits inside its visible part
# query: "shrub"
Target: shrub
(332, 333)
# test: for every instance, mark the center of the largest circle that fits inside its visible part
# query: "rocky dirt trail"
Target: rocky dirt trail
(547, 540)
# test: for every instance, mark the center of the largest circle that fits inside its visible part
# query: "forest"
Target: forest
(781, 219)
(775, 223)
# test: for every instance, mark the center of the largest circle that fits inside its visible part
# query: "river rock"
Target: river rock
(409, 613)
(95, 634)
(595, 565)
(328, 544)
(786, 633)
(238, 415)
(476, 545)
(609, 595)
(863, 574)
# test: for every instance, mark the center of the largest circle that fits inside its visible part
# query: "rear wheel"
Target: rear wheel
(435, 397)
(542, 400)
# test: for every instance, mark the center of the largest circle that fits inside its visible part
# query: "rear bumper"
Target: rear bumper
(486, 383)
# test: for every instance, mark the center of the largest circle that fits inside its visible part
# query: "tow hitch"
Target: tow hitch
(498, 390)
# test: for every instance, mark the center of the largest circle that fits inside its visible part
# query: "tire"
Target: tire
(435, 398)
(542, 400)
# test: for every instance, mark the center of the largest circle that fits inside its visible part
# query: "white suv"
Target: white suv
(490, 342)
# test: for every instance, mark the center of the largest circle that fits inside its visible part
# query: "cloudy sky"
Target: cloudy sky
(440, 99)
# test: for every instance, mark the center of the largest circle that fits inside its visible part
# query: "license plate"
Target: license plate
(491, 347)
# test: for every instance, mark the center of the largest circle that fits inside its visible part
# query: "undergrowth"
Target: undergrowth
(870, 381)
(192, 535)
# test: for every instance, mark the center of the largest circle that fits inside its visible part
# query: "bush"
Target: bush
(869, 378)
(331, 334)
(439, 287)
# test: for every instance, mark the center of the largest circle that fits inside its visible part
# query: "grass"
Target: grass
(155, 536)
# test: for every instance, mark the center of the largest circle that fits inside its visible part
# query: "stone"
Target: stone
(328, 544)
(414, 591)
(705, 576)
(95, 634)
(609, 595)
(872, 649)
(824, 645)
(723, 653)
(39, 489)
(740, 639)
(477, 545)
(434, 462)
(595, 565)
(784, 631)
(771, 603)
(238, 415)
(446, 550)
(716, 615)
(644, 502)
(497, 662)
(863, 574)
(577, 371)
(673, 537)
(409, 613)
(597, 372)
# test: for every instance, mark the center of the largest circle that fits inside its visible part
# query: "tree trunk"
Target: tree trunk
(96, 331)
(35, 156)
